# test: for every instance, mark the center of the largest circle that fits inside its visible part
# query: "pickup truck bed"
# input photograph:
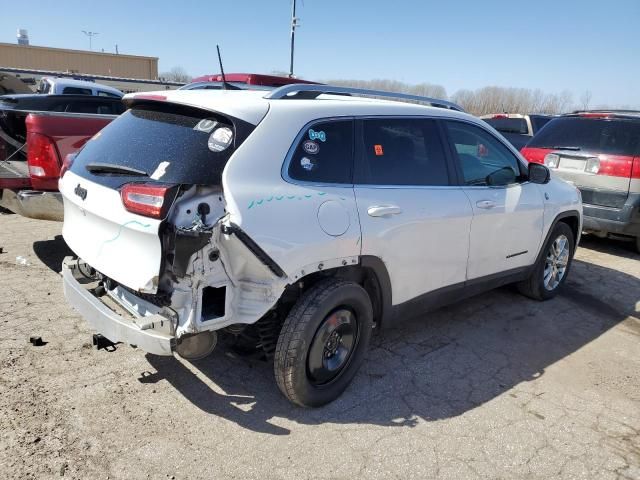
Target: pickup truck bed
(33, 149)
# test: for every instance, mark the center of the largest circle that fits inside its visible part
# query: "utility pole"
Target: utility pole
(90, 35)
(294, 24)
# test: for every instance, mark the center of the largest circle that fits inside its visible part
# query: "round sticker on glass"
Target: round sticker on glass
(307, 164)
(220, 139)
(310, 147)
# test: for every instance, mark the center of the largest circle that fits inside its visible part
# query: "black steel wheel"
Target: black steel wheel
(332, 346)
(323, 342)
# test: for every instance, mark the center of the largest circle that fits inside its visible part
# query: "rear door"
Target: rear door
(411, 215)
(507, 210)
(595, 154)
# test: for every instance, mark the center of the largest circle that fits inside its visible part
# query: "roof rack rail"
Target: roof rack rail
(607, 110)
(304, 91)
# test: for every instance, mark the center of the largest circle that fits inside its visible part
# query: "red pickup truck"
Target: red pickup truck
(34, 144)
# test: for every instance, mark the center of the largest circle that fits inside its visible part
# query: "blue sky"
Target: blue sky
(552, 45)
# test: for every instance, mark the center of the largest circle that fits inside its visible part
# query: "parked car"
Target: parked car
(241, 80)
(599, 152)
(303, 220)
(518, 129)
(36, 133)
(69, 86)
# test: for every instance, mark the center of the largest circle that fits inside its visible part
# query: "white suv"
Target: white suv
(301, 219)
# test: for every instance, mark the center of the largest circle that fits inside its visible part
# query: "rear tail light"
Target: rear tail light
(43, 161)
(535, 155)
(552, 160)
(147, 199)
(66, 165)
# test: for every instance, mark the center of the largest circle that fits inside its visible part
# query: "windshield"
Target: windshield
(171, 145)
(608, 136)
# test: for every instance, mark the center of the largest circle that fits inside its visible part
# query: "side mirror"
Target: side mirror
(539, 173)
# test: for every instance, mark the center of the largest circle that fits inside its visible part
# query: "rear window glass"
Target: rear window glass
(508, 125)
(170, 147)
(614, 137)
(76, 91)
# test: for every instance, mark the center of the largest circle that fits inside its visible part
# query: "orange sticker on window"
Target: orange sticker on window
(378, 150)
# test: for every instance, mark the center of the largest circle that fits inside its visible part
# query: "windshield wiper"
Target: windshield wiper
(563, 147)
(107, 168)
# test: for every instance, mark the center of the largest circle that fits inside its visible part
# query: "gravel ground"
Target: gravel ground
(497, 386)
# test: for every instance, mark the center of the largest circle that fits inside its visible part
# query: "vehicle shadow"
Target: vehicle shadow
(612, 246)
(440, 366)
(52, 252)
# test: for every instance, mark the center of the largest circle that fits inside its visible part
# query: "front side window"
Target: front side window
(398, 151)
(482, 158)
(324, 153)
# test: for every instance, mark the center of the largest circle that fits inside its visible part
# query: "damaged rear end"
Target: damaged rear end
(159, 262)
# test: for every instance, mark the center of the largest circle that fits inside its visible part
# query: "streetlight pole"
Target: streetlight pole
(294, 24)
(90, 35)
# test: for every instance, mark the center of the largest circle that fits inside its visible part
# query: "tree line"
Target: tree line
(481, 101)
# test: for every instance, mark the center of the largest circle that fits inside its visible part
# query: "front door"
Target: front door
(507, 210)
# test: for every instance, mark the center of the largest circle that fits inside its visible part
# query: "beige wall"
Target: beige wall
(78, 61)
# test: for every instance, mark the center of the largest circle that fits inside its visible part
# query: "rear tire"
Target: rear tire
(552, 268)
(323, 342)
(638, 244)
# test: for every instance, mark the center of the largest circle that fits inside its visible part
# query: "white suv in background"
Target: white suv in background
(301, 219)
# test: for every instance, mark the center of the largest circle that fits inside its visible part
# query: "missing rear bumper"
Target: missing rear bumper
(152, 333)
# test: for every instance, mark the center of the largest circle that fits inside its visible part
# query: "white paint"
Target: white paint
(117, 243)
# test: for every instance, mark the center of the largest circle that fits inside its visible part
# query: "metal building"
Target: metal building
(78, 61)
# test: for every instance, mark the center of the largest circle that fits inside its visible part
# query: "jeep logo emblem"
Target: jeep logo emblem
(81, 192)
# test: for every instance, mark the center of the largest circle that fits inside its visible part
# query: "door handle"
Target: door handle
(383, 210)
(486, 204)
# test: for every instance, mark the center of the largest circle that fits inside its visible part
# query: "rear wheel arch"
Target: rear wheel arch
(371, 274)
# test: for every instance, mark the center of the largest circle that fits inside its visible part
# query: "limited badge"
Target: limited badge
(307, 164)
(310, 147)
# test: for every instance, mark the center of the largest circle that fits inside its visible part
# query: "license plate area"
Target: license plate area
(572, 164)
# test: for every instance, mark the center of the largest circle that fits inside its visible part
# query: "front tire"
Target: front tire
(552, 268)
(323, 342)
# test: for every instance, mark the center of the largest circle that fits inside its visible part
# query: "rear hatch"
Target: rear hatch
(594, 152)
(120, 187)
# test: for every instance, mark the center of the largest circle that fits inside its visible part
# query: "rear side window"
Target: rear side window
(537, 122)
(172, 145)
(402, 152)
(324, 154)
(508, 125)
(483, 159)
(76, 91)
(107, 94)
(613, 137)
